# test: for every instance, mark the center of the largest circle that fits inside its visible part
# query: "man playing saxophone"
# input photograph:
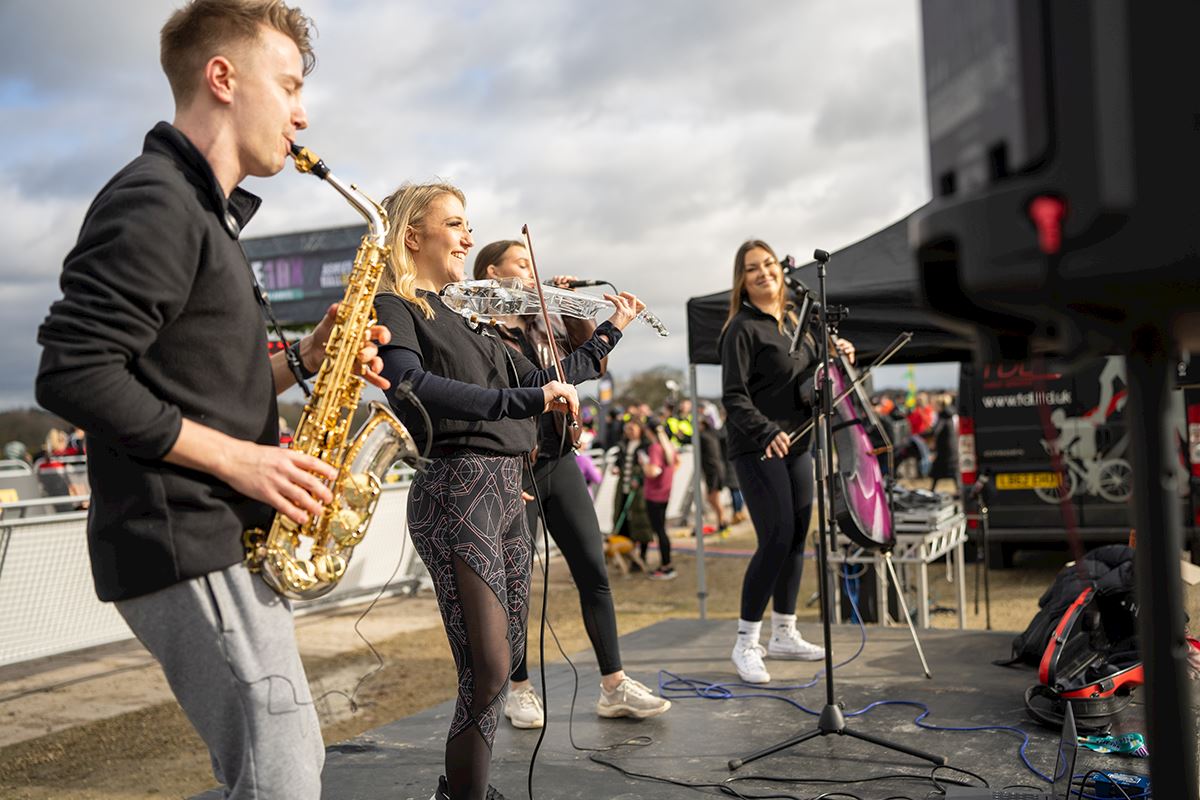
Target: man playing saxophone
(158, 349)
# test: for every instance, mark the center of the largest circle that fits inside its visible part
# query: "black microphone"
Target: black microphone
(789, 268)
(821, 255)
(576, 284)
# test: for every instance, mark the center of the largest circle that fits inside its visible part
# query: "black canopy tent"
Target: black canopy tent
(876, 279)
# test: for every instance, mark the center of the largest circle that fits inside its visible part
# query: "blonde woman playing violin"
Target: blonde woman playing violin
(465, 512)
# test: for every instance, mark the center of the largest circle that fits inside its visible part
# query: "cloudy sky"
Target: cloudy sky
(641, 141)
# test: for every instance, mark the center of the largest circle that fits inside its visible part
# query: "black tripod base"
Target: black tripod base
(833, 722)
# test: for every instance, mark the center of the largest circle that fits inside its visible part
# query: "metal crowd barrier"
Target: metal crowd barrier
(48, 604)
(605, 497)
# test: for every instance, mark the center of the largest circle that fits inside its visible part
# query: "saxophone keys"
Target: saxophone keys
(254, 541)
(330, 567)
(345, 527)
(298, 575)
(358, 490)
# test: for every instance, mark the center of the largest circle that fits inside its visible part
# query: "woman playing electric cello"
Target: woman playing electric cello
(761, 382)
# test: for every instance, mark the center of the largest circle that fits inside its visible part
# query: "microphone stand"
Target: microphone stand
(832, 720)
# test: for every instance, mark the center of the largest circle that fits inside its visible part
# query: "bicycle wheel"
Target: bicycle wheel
(1069, 486)
(1115, 482)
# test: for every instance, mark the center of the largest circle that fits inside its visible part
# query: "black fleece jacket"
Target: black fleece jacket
(761, 383)
(480, 393)
(158, 322)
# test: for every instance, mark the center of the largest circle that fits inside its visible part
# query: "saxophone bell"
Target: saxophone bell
(304, 562)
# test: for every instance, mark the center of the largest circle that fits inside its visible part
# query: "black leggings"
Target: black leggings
(657, 512)
(571, 521)
(779, 495)
(467, 521)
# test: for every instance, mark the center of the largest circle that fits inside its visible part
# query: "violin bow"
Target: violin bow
(904, 338)
(537, 282)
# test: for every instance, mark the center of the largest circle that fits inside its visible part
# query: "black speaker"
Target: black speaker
(1064, 140)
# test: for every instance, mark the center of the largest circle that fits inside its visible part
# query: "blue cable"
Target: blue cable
(720, 691)
(683, 688)
(853, 586)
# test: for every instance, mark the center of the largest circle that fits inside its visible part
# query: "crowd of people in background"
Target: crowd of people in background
(58, 463)
(922, 427)
(923, 430)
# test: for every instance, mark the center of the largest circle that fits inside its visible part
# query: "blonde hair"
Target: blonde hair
(56, 441)
(406, 207)
(204, 28)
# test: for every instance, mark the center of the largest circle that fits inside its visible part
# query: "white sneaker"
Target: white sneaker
(630, 699)
(748, 661)
(787, 643)
(523, 708)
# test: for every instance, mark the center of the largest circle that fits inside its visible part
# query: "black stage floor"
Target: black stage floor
(694, 740)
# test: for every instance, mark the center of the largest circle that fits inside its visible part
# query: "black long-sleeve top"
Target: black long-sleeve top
(480, 394)
(533, 343)
(158, 322)
(761, 382)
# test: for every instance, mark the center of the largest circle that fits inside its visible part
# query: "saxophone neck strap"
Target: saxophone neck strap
(291, 351)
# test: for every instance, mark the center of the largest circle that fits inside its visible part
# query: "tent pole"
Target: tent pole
(698, 496)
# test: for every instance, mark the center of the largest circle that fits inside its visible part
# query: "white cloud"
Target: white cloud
(642, 142)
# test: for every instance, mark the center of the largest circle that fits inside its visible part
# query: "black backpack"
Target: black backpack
(1084, 642)
(1108, 570)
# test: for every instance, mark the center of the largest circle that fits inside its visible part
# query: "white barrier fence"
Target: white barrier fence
(48, 604)
(681, 488)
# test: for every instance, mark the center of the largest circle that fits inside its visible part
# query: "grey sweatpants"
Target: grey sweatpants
(228, 648)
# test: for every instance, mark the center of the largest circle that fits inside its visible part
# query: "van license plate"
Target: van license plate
(1028, 480)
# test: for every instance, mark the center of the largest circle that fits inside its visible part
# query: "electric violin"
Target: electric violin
(491, 298)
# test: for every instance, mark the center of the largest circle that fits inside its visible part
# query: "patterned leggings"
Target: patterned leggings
(467, 520)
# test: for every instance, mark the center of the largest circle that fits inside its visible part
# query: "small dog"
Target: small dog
(621, 551)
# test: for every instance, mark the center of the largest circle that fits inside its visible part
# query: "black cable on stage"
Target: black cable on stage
(405, 389)
(380, 663)
(938, 784)
(544, 558)
(542, 633)
(899, 776)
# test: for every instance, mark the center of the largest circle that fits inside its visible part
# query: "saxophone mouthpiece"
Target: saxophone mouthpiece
(307, 162)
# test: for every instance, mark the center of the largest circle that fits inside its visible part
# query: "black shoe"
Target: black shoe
(443, 791)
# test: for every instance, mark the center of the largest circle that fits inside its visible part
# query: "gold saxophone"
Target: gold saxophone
(306, 561)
